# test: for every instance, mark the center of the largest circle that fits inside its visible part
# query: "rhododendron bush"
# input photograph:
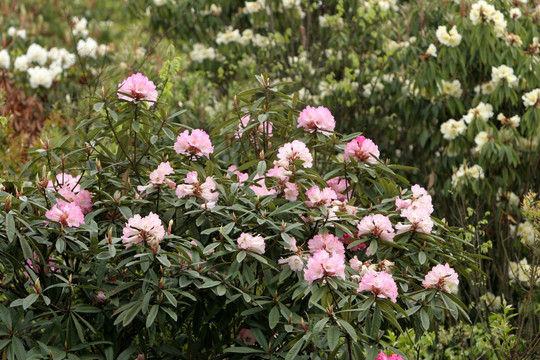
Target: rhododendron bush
(271, 236)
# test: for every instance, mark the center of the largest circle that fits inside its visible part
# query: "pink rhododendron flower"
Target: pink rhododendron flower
(318, 197)
(260, 189)
(328, 242)
(347, 239)
(67, 214)
(381, 284)
(68, 187)
(246, 336)
(248, 242)
(241, 176)
(195, 144)
(139, 229)
(290, 191)
(339, 206)
(340, 186)
(205, 191)
(244, 122)
(158, 177)
(292, 244)
(294, 262)
(362, 149)
(324, 264)
(137, 87)
(383, 356)
(290, 152)
(317, 119)
(417, 210)
(443, 278)
(378, 225)
(284, 186)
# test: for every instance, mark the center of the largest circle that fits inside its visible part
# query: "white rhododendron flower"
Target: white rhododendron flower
(40, 76)
(505, 74)
(431, 50)
(465, 172)
(21, 63)
(5, 59)
(36, 53)
(531, 98)
(452, 129)
(449, 38)
(451, 88)
(87, 48)
(481, 112)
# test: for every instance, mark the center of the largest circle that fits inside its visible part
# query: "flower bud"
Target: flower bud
(37, 287)
(8, 202)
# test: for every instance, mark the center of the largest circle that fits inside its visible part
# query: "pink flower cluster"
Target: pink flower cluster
(318, 197)
(139, 229)
(362, 149)
(240, 175)
(378, 225)
(417, 210)
(246, 336)
(383, 356)
(248, 242)
(381, 284)
(68, 186)
(317, 119)
(295, 262)
(293, 151)
(340, 186)
(244, 122)
(195, 144)
(328, 258)
(158, 177)
(67, 214)
(205, 191)
(284, 185)
(443, 278)
(137, 87)
(327, 242)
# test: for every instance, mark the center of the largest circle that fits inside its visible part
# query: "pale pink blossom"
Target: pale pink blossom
(328, 242)
(69, 188)
(67, 214)
(260, 188)
(265, 126)
(248, 242)
(318, 197)
(402, 204)
(139, 229)
(383, 356)
(356, 264)
(378, 225)
(195, 144)
(158, 177)
(294, 262)
(442, 277)
(137, 87)
(339, 206)
(324, 264)
(205, 191)
(381, 284)
(362, 149)
(246, 336)
(417, 210)
(340, 186)
(290, 191)
(317, 119)
(293, 151)
(279, 173)
(241, 176)
(292, 244)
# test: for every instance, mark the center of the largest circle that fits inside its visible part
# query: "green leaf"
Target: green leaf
(152, 315)
(291, 355)
(424, 319)
(273, 317)
(29, 300)
(332, 336)
(243, 350)
(348, 328)
(10, 226)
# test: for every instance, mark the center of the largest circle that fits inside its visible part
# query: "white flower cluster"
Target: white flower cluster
(451, 129)
(384, 5)
(373, 85)
(522, 272)
(481, 112)
(90, 48)
(480, 140)
(449, 38)
(252, 7)
(5, 59)
(212, 10)
(331, 21)
(79, 26)
(504, 74)
(17, 33)
(527, 234)
(431, 50)
(510, 121)
(451, 88)
(247, 37)
(482, 12)
(201, 53)
(59, 60)
(532, 98)
(465, 172)
(529, 144)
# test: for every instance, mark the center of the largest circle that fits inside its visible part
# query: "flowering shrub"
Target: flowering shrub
(180, 254)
